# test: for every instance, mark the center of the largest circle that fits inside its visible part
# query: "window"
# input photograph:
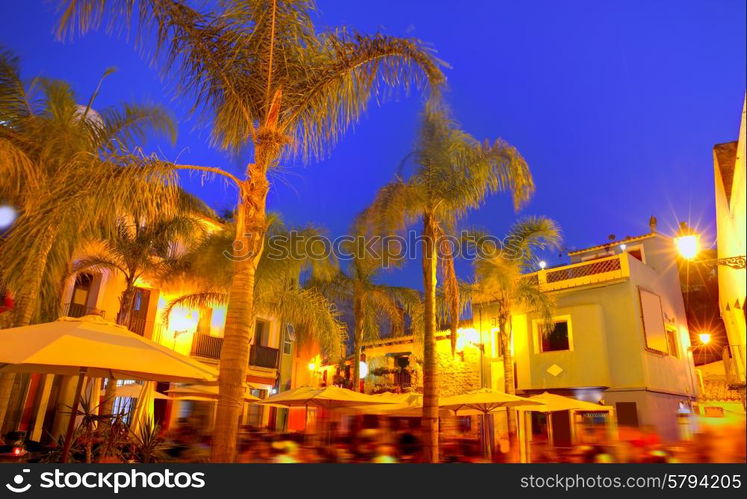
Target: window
(288, 339)
(653, 321)
(636, 253)
(262, 333)
(672, 343)
(556, 340)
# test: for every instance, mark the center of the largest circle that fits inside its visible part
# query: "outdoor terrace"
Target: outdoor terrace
(582, 274)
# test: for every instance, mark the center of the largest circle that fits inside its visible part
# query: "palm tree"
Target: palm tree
(278, 290)
(372, 303)
(499, 282)
(68, 170)
(454, 173)
(267, 79)
(140, 248)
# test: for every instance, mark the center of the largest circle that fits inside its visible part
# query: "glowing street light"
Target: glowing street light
(688, 246)
(687, 243)
(542, 264)
(705, 338)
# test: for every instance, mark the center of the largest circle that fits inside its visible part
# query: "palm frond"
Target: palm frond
(14, 103)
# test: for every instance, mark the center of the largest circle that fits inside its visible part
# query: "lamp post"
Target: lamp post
(687, 242)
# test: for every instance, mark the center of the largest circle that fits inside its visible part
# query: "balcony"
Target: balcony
(582, 274)
(206, 346)
(209, 347)
(261, 356)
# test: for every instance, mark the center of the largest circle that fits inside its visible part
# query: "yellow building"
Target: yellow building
(620, 334)
(729, 173)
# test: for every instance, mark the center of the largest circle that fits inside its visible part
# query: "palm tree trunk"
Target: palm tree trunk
(234, 357)
(357, 339)
(508, 381)
(430, 375)
(123, 315)
(125, 303)
(26, 306)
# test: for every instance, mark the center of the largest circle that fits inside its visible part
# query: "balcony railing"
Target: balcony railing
(210, 346)
(78, 310)
(138, 326)
(581, 274)
(261, 356)
(207, 346)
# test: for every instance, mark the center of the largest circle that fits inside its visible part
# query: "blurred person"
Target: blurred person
(472, 452)
(409, 448)
(385, 454)
(286, 452)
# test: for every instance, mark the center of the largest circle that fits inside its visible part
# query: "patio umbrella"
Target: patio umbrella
(132, 390)
(555, 403)
(91, 346)
(330, 397)
(394, 404)
(484, 401)
(207, 393)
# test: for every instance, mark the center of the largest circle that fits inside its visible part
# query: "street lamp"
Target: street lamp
(705, 338)
(687, 243)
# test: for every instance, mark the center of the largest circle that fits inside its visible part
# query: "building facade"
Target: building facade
(729, 176)
(620, 334)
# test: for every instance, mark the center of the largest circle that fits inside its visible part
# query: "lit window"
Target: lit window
(672, 343)
(555, 340)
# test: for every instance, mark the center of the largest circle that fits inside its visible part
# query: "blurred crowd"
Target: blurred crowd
(388, 440)
(633, 445)
(403, 444)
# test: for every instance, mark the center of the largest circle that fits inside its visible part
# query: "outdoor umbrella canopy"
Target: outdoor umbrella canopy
(330, 397)
(554, 403)
(394, 404)
(104, 349)
(133, 390)
(92, 346)
(208, 393)
(484, 401)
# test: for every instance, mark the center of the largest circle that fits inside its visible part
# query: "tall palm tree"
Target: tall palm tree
(68, 170)
(373, 303)
(454, 174)
(271, 83)
(140, 248)
(278, 288)
(499, 283)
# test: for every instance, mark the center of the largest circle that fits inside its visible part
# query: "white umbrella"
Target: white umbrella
(91, 346)
(203, 393)
(484, 401)
(132, 390)
(330, 397)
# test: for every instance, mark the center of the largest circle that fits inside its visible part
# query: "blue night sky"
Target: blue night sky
(615, 105)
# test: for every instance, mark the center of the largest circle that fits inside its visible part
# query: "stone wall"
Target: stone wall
(459, 373)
